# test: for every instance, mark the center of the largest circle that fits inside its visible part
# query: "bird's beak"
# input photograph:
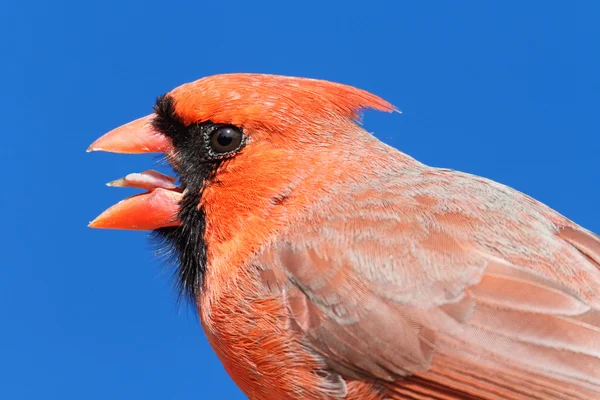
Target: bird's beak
(158, 207)
(135, 137)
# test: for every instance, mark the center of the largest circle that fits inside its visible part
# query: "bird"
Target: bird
(326, 264)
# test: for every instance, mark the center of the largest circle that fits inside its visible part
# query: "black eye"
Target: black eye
(226, 139)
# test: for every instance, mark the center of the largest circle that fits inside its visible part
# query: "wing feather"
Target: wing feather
(449, 287)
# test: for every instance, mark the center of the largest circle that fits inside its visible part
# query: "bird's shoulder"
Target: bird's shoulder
(441, 221)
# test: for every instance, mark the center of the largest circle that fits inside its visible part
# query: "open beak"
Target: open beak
(159, 205)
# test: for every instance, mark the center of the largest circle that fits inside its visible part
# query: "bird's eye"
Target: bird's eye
(226, 139)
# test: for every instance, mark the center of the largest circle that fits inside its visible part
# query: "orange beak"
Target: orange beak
(135, 137)
(158, 207)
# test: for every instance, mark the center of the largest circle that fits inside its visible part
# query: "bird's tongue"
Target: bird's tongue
(148, 180)
(158, 207)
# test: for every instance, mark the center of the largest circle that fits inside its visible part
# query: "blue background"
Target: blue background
(508, 90)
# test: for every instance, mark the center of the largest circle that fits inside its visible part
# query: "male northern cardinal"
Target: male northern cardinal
(328, 265)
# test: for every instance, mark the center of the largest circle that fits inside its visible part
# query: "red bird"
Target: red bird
(328, 265)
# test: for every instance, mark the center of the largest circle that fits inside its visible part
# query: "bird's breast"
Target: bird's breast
(249, 329)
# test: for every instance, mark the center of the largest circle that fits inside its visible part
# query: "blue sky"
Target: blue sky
(508, 90)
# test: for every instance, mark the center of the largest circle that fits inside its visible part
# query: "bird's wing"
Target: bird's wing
(453, 287)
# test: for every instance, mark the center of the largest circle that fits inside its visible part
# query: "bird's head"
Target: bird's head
(240, 144)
